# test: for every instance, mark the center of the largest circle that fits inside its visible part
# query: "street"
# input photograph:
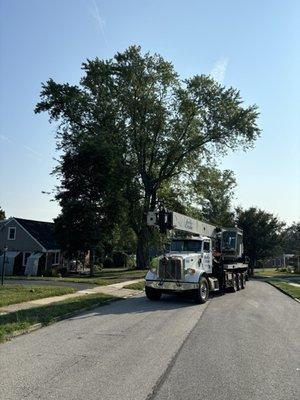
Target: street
(243, 345)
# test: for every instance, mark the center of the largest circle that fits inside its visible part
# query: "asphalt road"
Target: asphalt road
(243, 345)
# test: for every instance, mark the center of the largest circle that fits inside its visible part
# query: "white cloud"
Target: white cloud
(219, 69)
(36, 155)
(5, 138)
(96, 14)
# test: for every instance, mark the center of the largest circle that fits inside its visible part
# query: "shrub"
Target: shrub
(131, 261)
(53, 273)
(108, 262)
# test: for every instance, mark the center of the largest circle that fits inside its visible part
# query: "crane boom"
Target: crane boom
(173, 220)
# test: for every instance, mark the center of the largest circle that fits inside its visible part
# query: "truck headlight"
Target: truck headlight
(191, 271)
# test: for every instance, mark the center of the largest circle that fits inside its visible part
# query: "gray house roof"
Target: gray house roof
(43, 232)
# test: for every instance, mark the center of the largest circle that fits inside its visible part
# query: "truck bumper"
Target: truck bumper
(171, 286)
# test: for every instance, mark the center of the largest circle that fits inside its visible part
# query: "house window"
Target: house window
(206, 246)
(55, 258)
(12, 233)
(26, 254)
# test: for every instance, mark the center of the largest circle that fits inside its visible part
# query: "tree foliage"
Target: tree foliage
(161, 126)
(2, 214)
(291, 239)
(262, 234)
(213, 190)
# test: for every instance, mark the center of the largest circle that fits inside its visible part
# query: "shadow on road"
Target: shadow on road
(140, 304)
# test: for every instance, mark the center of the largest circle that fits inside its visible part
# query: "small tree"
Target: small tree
(291, 239)
(262, 234)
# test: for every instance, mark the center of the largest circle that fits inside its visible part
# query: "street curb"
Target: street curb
(282, 291)
(39, 325)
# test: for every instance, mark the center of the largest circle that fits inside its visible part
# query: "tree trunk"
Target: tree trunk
(142, 251)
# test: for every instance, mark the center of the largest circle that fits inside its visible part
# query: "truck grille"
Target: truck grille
(170, 268)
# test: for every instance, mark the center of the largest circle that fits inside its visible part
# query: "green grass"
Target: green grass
(272, 272)
(106, 276)
(136, 286)
(13, 294)
(291, 290)
(48, 314)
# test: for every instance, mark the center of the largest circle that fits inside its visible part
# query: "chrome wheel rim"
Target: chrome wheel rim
(203, 290)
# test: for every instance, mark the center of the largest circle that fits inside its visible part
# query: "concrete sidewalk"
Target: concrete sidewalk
(116, 289)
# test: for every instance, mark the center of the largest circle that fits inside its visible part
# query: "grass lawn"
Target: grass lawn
(281, 280)
(46, 315)
(136, 286)
(12, 294)
(271, 272)
(107, 276)
(293, 291)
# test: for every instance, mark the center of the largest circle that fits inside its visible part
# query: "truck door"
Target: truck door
(207, 256)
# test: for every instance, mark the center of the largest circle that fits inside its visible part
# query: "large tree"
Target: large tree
(91, 196)
(167, 125)
(2, 214)
(262, 234)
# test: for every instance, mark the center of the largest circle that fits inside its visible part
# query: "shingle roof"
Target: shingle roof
(43, 232)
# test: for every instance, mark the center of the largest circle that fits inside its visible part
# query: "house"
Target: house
(31, 246)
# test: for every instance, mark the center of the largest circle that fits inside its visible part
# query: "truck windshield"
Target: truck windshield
(186, 245)
(229, 240)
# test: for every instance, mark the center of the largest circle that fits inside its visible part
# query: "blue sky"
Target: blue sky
(253, 46)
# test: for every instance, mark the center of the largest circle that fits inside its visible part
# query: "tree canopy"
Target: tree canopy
(291, 239)
(2, 214)
(262, 234)
(160, 126)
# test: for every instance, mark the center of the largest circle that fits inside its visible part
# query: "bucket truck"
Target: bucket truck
(205, 259)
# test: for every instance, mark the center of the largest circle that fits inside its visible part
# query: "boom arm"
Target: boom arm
(173, 220)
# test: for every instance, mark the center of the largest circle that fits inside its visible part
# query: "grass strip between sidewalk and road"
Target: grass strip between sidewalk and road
(22, 320)
(13, 294)
(287, 288)
(136, 286)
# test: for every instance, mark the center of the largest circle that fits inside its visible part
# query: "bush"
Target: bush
(53, 273)
(98, 267)
(131, 261)
(63, 271)
(108, 262)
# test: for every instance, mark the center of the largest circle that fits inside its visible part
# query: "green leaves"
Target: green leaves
(138, 114)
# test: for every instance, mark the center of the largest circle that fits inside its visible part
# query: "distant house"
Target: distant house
(31, 246)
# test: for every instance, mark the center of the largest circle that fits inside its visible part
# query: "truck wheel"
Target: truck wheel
(152, 294)
(234, 283)
(243, 281)
(239, 281)
(202, 292)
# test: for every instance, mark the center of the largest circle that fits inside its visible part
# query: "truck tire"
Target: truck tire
(239, 281)
(234, 283)
(202, 293)
(152, 294)
(243, 280)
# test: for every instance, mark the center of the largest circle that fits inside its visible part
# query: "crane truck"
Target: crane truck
(204, 259)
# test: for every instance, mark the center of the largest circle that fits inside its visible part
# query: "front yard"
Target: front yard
(45, 315)
(106, 276)
(13, 294)
(287, 282)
